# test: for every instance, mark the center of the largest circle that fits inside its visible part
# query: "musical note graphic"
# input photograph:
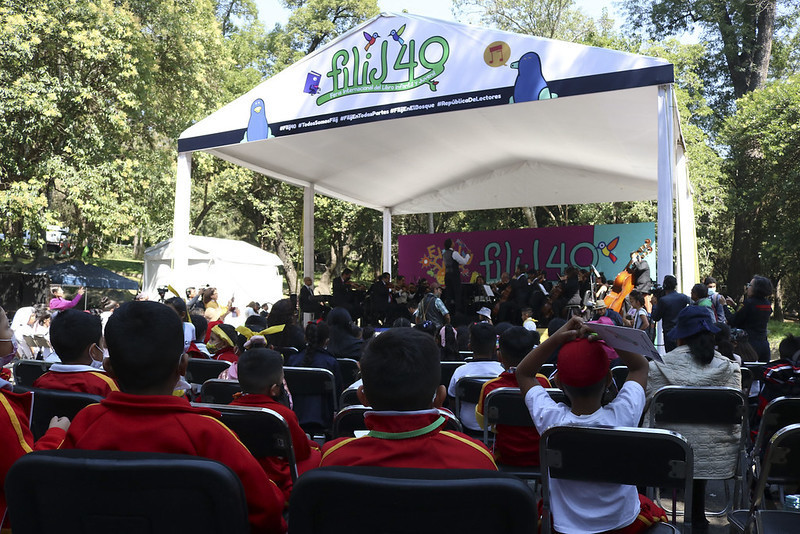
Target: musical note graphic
(493, 49)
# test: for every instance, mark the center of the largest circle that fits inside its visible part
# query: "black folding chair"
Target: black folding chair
(216, 391)
(547, 369)
(706, 407)
(506, 406)
(350, 370)
(199, 370)
(365, 500)
(779, 413)
(780, 465)
(646, 457)
(349, 397)
(351, 419)
(314, 396)
(48, 403)
(468, 390)
(619, 373)
(79, 491)
(448, 369)
(27, 371)
(263, 431)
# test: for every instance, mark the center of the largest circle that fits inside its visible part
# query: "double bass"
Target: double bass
(623, 283)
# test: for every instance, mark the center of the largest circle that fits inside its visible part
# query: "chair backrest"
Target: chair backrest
(558, 395)
(349, 397)
(78, 491)
(468, 389)
(350, 370)
(198, 370)
(314, 395)
(263, 431)
(365, 500)
(216, 391)
(27, 371)
(632, 456)
(747, 380)
(48, 403)
(619, 373)
(505, 406)
(698, 405)
(351, 418)
(779, 413)
(448, 369)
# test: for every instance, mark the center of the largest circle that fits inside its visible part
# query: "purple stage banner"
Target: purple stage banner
(492, 253)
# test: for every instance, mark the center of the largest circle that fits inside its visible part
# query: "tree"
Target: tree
(740, 34)
(764, 166)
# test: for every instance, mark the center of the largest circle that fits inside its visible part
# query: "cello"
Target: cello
(623, 283)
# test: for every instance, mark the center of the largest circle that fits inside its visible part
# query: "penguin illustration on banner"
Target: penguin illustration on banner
(257, 127)
(530, 83)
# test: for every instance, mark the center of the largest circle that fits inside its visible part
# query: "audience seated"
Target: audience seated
(514, 445)
(317, 355)
(261, 378)
(401, 371)
(782, 376)
(76, 337)
(223, 343)
(482, 343)
(583, 374)
(145, 343)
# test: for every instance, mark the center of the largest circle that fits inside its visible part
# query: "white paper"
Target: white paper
(626, 338)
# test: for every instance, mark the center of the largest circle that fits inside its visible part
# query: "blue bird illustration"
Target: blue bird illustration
(370, 39)
(395, 34)
(530, 84)
(257, 127)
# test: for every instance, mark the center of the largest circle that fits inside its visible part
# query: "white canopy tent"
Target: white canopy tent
(407, 114)
(237, 269)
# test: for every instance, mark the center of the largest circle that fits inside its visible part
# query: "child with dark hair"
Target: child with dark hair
(401, 373)
(224, 343)
(513, 445)
(583, 374)
(145, 343)
(343, 343)
(284, 313)
(76, 337)
(482, 343)
(179, 306)
(447, 339)
(261, 378)
(197, 349)
(781, 377)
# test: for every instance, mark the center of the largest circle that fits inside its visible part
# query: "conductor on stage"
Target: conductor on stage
(452, 273)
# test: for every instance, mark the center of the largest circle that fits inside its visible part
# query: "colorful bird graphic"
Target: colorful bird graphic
(395, 34)
(370, 39)
(606, 249)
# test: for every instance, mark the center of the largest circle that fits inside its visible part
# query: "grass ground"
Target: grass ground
(777, 330)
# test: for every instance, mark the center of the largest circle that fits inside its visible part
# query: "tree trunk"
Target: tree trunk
(530, 217)
(289, 269)
(777, 305)
(745, 261)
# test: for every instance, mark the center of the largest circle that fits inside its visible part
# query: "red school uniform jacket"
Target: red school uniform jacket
(16, 438)
(430, 447)
(513, 445)
(306, 452)
(79, 378)
(163, 423)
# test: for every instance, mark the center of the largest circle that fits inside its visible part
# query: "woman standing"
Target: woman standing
(754, 315)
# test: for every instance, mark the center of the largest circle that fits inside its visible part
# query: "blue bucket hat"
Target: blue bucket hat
(692, 320)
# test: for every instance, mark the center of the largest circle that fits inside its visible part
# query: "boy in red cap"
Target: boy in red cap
(583, 374)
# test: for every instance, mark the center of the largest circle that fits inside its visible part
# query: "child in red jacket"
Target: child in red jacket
(76, 338)
(513, 445)
(261, 378)
(145, 345)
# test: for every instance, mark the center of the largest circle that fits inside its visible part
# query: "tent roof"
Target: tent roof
(202, 248)
(444, 137)
(77, 273)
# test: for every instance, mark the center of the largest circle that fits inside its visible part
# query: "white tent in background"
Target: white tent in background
(237, 269)
(407, 114)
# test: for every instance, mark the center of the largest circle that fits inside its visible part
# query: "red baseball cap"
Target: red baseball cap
(581, 363)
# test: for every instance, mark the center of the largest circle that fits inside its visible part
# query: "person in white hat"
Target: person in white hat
(485, 315)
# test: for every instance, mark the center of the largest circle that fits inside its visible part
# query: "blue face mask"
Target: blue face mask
(711, 291)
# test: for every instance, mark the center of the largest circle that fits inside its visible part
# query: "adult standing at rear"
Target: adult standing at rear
(754, 315)
(452, 273)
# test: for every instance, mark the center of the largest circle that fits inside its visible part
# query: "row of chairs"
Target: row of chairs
(47, 490)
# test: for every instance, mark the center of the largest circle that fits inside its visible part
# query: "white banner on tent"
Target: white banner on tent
(403, 65)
